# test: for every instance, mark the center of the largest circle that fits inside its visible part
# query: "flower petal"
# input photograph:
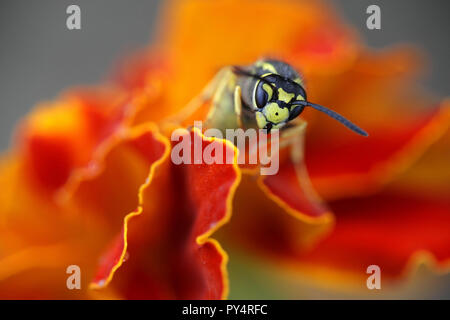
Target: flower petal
(184, 204)
(387, 230)
(111, 190)
(291, 188)
(279, 214)
(430, 175)
(59, 137)
(351, 165)
(261, 226)
(104, 200)
(237, 34)
(75, 231)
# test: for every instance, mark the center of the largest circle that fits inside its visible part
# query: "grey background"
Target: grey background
(39, 57)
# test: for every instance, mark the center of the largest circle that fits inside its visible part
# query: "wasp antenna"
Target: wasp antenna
(334, 115)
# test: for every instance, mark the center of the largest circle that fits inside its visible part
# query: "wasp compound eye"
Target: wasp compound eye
(295, 112)
(263, 94)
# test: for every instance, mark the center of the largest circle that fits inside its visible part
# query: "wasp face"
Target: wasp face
(273, 96)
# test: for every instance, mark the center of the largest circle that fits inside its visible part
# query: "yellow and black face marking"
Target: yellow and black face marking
(273, 91)
(272, 97)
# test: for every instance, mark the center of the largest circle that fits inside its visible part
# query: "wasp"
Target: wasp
(269, 94)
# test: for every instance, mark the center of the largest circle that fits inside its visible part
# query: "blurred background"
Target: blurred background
(40, 57)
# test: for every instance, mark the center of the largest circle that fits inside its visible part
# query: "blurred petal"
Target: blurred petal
(387, 230)
(184, 204)
(105, 199)
(148, 77)
(110, 192)
(291, 188)
(237, 33)
(278, 214)
(378, 87)
(59, 137)
(26, 219)
(351, 165)
(42, 237)
(430, 175)
(266, 226)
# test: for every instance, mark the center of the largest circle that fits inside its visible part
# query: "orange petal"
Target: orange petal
(237, 34)
(26, 218)
(171, 255)
(430, 175)
(103, 199)
(82, 224)
(110, 191)
(375, 88)
(148, 76)
(62, 136)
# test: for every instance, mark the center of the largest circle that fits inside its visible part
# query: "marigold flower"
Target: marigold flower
(89, 179)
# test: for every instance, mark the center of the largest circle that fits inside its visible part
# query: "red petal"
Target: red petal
(278, 214)
(385, 230)
(60, 137)
(171, 255)
(292, 190)
(354, 165)
(114, 192)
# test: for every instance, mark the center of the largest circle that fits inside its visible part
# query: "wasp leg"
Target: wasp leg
(205, 95)
(294, 137)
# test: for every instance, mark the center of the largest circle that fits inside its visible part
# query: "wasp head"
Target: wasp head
(277, 100)
(273, 98)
